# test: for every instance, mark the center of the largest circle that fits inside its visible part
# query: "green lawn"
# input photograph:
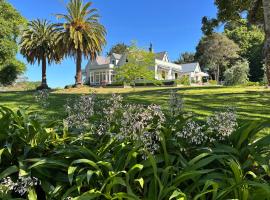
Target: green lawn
(251, 103)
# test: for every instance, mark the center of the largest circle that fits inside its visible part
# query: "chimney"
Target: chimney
(151, 48)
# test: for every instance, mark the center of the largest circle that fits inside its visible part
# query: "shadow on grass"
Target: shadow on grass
(250, 105)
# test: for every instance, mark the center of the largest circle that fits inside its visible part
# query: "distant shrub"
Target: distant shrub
(184, 80)
(169, 83)
(249, 83)
(238, 74)
(212, 82)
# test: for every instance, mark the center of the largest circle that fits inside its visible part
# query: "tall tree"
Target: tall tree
(186, 57)
(39, 43)
(81, 34)
(250, 39)
(119, 48)
(257, 11)
(217, 52)
(11, 22)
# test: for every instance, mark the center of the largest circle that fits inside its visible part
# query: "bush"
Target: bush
(249, 83)
(9, 73)
(237, 74)
(184, 80)
(169, 83)
(212, 82)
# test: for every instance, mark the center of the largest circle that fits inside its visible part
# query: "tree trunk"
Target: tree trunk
(44, 75)
(78, 77)
(266, 7)
(217, 74)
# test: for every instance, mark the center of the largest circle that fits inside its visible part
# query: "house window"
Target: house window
(91, 78)
(103, 76)
(97, 77)
(176, 75)
(113, 62)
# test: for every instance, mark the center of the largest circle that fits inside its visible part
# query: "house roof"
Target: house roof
(160, 55)
(189, 67)
(117, 56)
(102, 60)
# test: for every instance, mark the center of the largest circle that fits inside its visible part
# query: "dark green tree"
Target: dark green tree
(250, 39)
(186, 57)
(217, 52)
(257, 11)
(119, 48)
(11, 23)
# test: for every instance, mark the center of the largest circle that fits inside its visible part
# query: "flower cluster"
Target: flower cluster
(142, 125)
(218, 127)
(222, 124)
(21, 186)
(42, 97)
(176, 104)
(131, 122)
(111, 110)
(193, 133)
(79, 111)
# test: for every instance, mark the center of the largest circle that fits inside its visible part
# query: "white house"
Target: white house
(101, 71)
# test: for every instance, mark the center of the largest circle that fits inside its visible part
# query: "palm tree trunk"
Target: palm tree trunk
(78, 77)
(266, 7)
(44, 75)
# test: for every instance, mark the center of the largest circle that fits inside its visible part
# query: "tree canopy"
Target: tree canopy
(11, 23)
(186, 57)
(255, 11)
(119, 48)
(137, 66)
(216, 52)
(250, 39)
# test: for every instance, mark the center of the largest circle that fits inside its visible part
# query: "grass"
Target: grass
(251, 103)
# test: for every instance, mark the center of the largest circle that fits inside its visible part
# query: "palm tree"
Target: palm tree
(38, 43)
(81, 34)
(266, 7)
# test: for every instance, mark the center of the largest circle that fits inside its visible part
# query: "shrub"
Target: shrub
(237, 74)
(249, 83)
(212, 82)
(184, 80)
(10, 72)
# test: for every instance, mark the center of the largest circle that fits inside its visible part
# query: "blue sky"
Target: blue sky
(172, 25)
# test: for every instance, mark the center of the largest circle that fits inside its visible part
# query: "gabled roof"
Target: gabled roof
(117, 56)
(102, 60)
(189, 67)
(160, 55)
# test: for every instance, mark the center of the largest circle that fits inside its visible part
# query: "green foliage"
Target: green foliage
(216, 52)
(120, 48)
(81, 33)
(251, 41)
(186, 57)
(237, 74)
(212, 82)
(11, 23)
(137, 67)
(9, 73)
(184, 80)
